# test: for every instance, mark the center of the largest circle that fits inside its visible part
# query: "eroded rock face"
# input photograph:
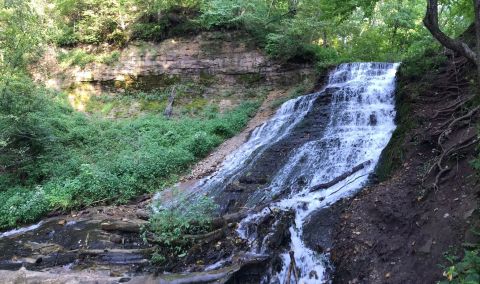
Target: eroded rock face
(259, 174)
(231, 57)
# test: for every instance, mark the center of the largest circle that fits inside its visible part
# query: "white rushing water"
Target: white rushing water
(284, 120)
(360, 124)
(19, 231)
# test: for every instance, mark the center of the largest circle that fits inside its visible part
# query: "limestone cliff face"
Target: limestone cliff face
(227, 56)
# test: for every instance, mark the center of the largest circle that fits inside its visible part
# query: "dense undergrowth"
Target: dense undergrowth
(53, 158)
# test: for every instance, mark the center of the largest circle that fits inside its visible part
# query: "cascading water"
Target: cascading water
(289, 115)
(360, 124)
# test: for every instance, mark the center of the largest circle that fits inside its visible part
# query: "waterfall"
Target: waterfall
(360, 124)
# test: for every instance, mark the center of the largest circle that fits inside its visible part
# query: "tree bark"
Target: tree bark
(476, 4)
(431, 23)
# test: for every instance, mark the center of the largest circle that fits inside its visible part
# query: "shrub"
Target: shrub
(66, 38)
(172, 222)
(149, 31)
(21, 205)
(466, 271)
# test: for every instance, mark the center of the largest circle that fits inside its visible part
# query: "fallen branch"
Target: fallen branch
(229, 218)
(95, 252)
(292, 267)
(341, 177)
(123, 226)
(208, 237)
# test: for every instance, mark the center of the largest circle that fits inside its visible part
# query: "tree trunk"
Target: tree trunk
(476, 4)
(431, 23)
(325, 38)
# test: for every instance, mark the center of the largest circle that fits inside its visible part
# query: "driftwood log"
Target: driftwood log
(95, 252)
(341, 177)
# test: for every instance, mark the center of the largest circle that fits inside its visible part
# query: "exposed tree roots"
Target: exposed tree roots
(444, 130)
(450, 85)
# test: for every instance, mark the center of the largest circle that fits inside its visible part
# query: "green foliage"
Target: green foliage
(464, 271)
(109, 58)
(66, 37)
(75, 57)
(66, 160)
(119, 21)
(79, 57)
(185, 215)
(149, 31)
(322, 31)
(27, 120)
(21, 32)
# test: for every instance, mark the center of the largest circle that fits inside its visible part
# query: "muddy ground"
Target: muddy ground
(398, 231)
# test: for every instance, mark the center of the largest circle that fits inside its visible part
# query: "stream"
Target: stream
(316, 150)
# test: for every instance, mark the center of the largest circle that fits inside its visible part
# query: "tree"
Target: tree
(20, 34)
(431, 23)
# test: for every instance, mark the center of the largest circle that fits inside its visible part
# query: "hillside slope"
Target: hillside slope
(401, 229)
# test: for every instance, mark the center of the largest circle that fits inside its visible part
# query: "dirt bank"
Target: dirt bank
(398, 231)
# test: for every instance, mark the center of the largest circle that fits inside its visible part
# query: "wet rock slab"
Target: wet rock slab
(88, 241)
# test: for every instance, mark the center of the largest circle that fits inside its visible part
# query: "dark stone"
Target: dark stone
(319, 228)
(258, 173)
(373, 120)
